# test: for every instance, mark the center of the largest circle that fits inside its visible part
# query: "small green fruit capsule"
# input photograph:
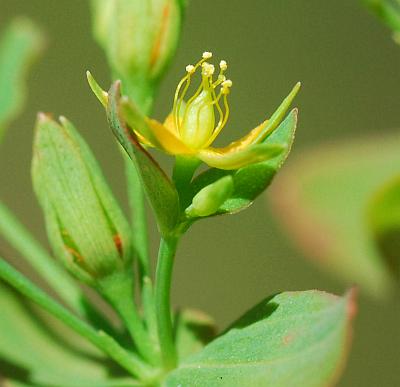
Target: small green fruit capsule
(210, 198)
(85, 225)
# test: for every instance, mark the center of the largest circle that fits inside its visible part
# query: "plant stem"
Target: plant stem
(100, 339)
(118, 290)
(23, 241)
(163, 304)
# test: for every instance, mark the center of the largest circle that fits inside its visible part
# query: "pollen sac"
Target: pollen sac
(85, 225)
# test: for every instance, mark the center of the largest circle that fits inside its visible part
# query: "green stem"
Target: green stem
(165, 263)
(149, 311)
(100, 339)
(21, 239)
(118, 290)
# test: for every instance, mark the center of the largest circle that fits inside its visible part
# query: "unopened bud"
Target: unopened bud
(85, 225)
(210, 198)
(138, 36)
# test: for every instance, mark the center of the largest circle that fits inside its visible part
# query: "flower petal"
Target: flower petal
(169, 123)
(167, 140)
(223, 159)
(150, 131)
(262, 131)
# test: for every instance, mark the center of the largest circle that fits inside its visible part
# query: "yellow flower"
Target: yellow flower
(195, 122)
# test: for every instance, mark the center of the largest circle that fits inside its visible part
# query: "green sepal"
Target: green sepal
(85, 225)
(100, 94)
(20, 44)
(291, 339)
(160, 191)
(249, 182)
(278, 115)
(384, 221)
(207, 201)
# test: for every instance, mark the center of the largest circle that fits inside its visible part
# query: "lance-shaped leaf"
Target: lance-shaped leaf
(251, 181)
(160, 191)
(35, 351)
(20, 43)
(291, 339)
(85, 225)
(384, 220)
(388, 11)
(322, 198)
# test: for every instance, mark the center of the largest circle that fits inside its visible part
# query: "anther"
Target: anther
(207, 55)
(225, 86)
(208, 69)
(223, 65)
(190, 69)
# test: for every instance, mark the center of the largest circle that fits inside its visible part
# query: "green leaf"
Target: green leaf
(291, 339)
(54, 274)
(388, 11)
(251, 181)
(322, 199)
(20, 43)
(384, 220)
(160, 191)
(194, 329)
(35, 352)
(106, 343)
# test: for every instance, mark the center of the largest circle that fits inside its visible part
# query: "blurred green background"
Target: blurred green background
(350, 70)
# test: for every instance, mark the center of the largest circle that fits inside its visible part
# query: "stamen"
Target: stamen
(227, 111)
(225, 89)
(178, 99)
(206, 72)
(226, 85)
(208, 86)
(221, 77)
(207, 69)
(190, 69)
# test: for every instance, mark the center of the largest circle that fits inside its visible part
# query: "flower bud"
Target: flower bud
(85, 225)
(207, 201)
(138, 36)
